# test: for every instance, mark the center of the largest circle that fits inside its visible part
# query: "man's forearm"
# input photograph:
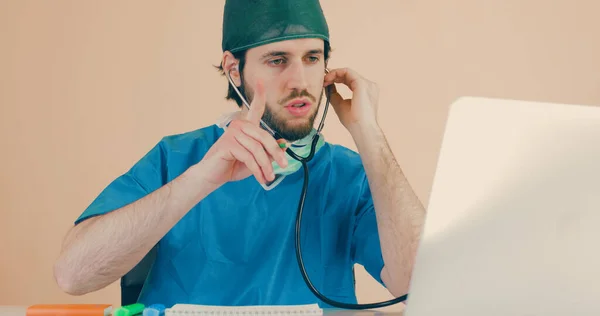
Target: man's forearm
(100, 250)
(400, 214)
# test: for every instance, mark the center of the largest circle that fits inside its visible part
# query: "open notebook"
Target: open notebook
(271, 310)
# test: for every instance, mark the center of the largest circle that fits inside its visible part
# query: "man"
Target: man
(223, 239)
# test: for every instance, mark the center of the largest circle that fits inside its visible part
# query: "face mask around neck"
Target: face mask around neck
(301, 147)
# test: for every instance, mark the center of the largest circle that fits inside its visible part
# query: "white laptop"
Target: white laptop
(513, 223)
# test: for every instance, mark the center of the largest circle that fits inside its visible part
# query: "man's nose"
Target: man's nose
(296, 77)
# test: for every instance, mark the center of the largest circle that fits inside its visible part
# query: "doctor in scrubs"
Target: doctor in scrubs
(219, 203)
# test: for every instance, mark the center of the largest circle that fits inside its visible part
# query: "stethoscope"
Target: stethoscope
(304, 161)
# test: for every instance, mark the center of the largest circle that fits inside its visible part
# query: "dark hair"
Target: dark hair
(241, 56)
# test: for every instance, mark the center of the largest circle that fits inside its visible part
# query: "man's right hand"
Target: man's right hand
(244, 149)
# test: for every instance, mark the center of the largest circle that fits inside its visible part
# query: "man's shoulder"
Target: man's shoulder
(206, 134)
(194, 142)
(176, 152)
(344, 163)
(344, 157)
(339, 151)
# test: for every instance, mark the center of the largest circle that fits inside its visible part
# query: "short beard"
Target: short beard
(280, 125)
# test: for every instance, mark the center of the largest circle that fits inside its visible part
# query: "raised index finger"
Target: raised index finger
(257, 107)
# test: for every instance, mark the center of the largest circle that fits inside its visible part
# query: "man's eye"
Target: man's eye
(276, 61)
(313, 59)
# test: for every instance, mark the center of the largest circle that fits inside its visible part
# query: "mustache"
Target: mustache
(296, 94)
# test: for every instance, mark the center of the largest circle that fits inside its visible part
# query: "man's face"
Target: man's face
(292, 72)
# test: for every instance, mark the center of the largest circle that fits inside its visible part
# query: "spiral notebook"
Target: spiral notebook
(271, 310)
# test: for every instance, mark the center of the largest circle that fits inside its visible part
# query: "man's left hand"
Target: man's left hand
(359, 111)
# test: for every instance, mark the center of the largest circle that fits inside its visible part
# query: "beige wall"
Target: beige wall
(87, 87)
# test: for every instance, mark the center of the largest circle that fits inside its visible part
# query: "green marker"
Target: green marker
(282, 145)
(129, 310)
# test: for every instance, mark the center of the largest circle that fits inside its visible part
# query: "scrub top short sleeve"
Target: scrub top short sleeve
(142, 179)
(365, 240)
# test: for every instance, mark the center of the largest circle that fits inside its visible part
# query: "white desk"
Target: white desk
(20, 311)
(12, 310)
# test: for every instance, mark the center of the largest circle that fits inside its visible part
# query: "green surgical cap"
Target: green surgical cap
(251, 23)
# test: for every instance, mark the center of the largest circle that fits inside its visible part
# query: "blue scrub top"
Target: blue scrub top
(236, 247)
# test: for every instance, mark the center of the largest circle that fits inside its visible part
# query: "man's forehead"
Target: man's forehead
(300, 46)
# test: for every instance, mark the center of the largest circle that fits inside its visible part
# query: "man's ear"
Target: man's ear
(231, 67)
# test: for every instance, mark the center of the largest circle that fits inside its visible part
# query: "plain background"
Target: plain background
(88, 87)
